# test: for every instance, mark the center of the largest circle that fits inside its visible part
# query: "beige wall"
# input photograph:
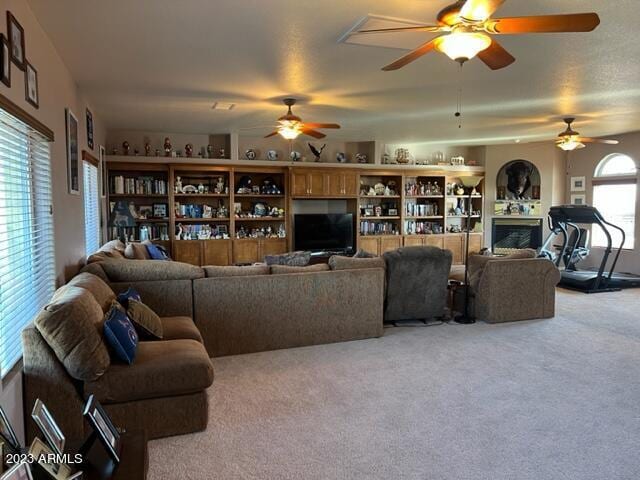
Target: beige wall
(57, 91)
(550, 162)
(583, 163)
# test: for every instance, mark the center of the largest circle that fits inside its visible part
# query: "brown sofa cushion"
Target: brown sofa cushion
(337, 262)
(161, 369)
(105, 256)
(478, 262)
(113, 245)
(72, 326)
(233, 271)
(137, 251)
(145, 320)
(144, 270)
(279, 269)
(98, 288)
(180, 328)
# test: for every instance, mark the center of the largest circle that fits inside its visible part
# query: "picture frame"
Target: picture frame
(160, 210)
(73, 163)
(578, 184)
(89, 129)
(392, 212)
(368, 212)
(40, 450)
(7, 434)
(48, 426)
(103, 427)
(104, 178)
(223, 229)
(145, 212)
(578, 199)
(5, 61)
(15, 33)
(20, 471)
(31, 94)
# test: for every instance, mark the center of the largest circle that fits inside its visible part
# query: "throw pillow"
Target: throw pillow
(279, 269)
(113, 245)
(129, 293)
(146, 321)
(120, 334)
(293, 259)
(156, 252)
(72, 326)
(136, 251)
(337, 262)
(234, 271)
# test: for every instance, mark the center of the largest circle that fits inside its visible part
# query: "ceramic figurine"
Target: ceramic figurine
(372, 191)
(250, 154)
(316, 152)
(188, 150)
(459, 190)
(200, 188)
(180, 232)
(379, 189)
(136, 152)
(147, 149)
(157, 152)
(220, 185)
(295, 156)
(361, 157)
(341, 157)
(207, 211)
(125, 148)
(386, 158)
(167, 147)
(221, 153)
(178, 187)
(209, 151)
(272, 155)
(387, 191)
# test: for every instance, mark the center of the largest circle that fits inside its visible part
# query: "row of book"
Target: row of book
(378, 228)
(156, 231)
(421, 209)
(422, 228)
(121, 185)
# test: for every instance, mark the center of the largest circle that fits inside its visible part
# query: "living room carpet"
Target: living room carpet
(549, 399)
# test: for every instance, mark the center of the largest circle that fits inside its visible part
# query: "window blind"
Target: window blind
(91, 208)
(27, 263)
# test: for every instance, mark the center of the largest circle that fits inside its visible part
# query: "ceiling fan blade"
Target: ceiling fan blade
(578, 22)
(598, 140)
(271, 134)
(418, 28)
(496, 57)
(411, 56)
(320, 125)
(312, 133)
(479, 10)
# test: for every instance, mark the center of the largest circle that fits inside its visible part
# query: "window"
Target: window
(91, 208)
(27, 264)
(614, 195)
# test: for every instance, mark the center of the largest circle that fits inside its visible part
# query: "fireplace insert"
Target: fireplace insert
(511, 234)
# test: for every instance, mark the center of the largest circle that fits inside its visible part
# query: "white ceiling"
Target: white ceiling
(161, 64)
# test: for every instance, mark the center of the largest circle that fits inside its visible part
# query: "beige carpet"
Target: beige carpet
(552, 399)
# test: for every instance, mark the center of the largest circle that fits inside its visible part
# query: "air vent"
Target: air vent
(223, 106)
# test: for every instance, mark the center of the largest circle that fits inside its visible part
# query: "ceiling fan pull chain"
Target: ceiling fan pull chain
(458, 113)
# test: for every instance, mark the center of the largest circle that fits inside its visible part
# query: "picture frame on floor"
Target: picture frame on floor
(15, 32)
(46, 460)
(20, 471)
(31, 85)
(103, 427)
(5, 61)
(73, 164)
(7, 434)
(578, 184)
(48, 426)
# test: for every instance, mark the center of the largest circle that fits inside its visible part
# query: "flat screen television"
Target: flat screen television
(323, 232)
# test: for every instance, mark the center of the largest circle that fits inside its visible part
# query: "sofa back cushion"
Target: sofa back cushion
(137, 251)
(477, 263)
(72, 326)
(98, 288)
(144, 270)
(234, 271)
(337, 262)
(279, 269)
(103, 256)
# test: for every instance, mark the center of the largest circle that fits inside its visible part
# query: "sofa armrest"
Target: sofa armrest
(45, 378)
(519, 289)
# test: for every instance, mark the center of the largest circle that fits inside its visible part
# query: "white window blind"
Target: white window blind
(27, 264)
(91, 208)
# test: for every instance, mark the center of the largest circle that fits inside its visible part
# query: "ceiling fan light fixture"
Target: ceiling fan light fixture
(463, 46)
(569, 144)
(289, 130)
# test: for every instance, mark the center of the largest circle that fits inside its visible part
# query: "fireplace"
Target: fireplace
(511, 234)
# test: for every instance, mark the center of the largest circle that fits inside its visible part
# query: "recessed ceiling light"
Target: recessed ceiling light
(223, 106)
(517, 140)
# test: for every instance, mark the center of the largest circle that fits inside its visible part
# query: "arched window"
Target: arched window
(614, 195)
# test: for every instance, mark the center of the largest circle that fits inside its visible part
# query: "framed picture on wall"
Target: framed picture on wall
(5, 61)
(15, 32)
(31, 85)
(89, 129)
(73, 165)
(102, 152)
(578, 199)
(578, 184)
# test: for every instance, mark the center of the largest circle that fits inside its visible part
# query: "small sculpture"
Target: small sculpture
(200, 188)
(147, 149)
(379, 189)
(157, 152)
(167, 147)
(220, 185)
(295, 156)
(341, 157)
(188, 150)
(180, 232)
(125, 148)
(402, 156)
(459, 190)
(209, 151)
(361, 157)
(207, 211)
(272, 155)
(221, 153)
(250, 154)
(316, 152)
(136, 152)
(178, 187)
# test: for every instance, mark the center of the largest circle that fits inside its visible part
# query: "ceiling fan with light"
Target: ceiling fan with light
(569, 139)
(467, 25)
(290, 125)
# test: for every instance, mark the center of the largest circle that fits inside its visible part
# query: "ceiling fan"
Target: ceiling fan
(466, 25)
(290, 125)
(569, 139)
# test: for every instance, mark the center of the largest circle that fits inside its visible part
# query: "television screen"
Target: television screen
(319, 232)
